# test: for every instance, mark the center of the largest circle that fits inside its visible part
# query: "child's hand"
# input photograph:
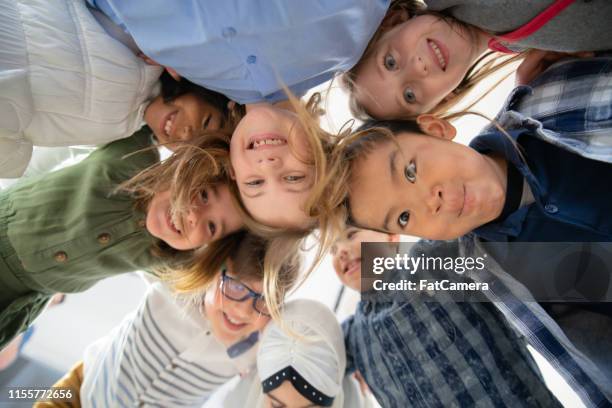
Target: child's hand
(537, 61)
(151, 61)
(363, 386)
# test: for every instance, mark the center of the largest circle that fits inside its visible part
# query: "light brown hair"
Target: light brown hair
(485, 66)
(251, 256)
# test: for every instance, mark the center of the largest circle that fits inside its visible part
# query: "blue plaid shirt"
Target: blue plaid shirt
(570, 106)
(438, 352)
(432, 351)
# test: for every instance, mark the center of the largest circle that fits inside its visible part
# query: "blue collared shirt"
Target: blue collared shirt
(248, 50)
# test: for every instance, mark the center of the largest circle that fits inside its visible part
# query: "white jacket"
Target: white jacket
(64, 81)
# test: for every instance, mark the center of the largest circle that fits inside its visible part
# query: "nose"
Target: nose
(417, 66)
(185, 132)
(243, 310)
(343, 254)
(272, 162)
(434, 200)
(197, 218)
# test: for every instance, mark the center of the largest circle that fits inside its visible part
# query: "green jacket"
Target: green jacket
(64, 231)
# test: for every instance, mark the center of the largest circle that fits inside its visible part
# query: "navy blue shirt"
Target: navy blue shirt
(573, 194)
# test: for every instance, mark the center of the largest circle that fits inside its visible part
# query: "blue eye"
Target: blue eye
(410, 172)
(293, 179)
(409, 96)
(389, 62)
(403, 219)
(254, 183)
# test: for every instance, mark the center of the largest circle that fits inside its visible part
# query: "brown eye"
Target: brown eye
(212, 228)
(206, 122)
(403, 219)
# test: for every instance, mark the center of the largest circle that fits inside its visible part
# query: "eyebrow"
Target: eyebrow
(393, 173)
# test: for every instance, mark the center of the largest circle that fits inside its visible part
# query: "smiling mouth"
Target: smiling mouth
(266, 141)
(352, 267)
(168, 123)
(441, 59)
(232, 324)
(171, 223)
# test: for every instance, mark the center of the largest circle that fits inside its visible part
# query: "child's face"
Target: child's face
(231, 320)
(211, 216)
(413, 67)
(181, 118)
(274, 183)
(429, 187)
(346, 253)
(286, 396)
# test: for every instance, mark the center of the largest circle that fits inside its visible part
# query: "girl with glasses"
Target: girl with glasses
(177, 350)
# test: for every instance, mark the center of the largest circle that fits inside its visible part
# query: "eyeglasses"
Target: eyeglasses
(234, 290)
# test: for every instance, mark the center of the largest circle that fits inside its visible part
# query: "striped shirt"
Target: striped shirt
(162, 355)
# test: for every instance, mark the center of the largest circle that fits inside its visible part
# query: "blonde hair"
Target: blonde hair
(285, 241)
(252, 258)
(206, 162)
(486, 65)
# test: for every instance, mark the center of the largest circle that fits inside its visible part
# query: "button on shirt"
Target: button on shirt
(70, 230)
(247, 50)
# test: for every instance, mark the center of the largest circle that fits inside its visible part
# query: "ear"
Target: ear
(434, 126)
(173, 73)
(232, 173)
(394, 18)
(394, 237)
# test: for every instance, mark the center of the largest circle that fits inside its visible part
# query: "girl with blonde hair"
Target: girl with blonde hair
(426, 60)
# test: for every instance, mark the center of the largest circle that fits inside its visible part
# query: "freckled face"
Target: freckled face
(428, 187)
